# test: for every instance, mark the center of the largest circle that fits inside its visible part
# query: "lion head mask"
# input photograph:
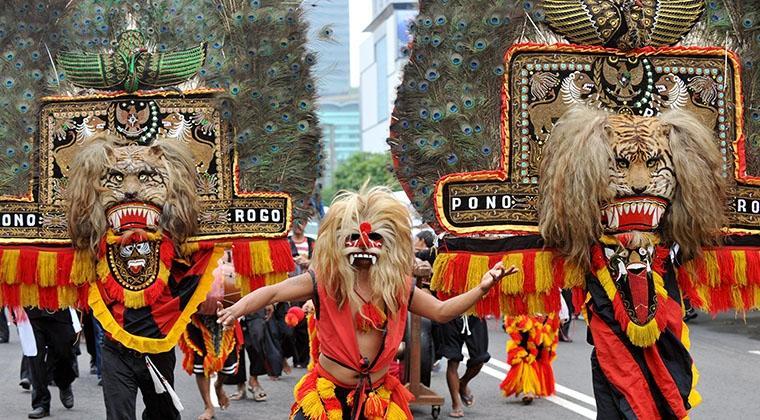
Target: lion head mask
(604, 173)
(126, 187)
(365, 230)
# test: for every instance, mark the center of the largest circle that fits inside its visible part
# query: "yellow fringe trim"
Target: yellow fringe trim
(544, 271)
(47, 268)
(83, 269)
(30, 295)
(643, 335)
(516, 281)
(67, 296)
(155, 345)
(8, 265)
(261, 257)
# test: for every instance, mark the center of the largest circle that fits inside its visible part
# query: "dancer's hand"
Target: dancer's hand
(268, 312)
(308, 306)
(226, 316)
(494, 275)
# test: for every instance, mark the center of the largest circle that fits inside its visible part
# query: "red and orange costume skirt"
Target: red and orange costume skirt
(209, 348)
(318, 396)
(530, 352)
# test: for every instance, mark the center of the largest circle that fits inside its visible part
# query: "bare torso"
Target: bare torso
(369, 343)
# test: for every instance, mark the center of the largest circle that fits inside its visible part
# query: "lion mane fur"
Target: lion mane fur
(87, 221)
(575, 184)
(388, 217)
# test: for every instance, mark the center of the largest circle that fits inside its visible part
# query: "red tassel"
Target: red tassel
(11, 295)
(82, 295)
(726, 266)
(65, 262)
(48, 297)
(458, 277)
(27, 266)
(241, 257)
(529, 272)
(282, 258)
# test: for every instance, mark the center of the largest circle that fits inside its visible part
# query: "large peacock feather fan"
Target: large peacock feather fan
(254, 50)
(26, 39)
(446, 117)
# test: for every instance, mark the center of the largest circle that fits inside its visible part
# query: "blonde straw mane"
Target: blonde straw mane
(388, 217)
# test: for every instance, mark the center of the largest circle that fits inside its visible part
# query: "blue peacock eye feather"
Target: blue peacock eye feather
(10, 152)
(9, 82)
(303, 126)
(474, 64)
(35, 55)
(452, 159)
(423, 87)
(461, 24)
(486, 150)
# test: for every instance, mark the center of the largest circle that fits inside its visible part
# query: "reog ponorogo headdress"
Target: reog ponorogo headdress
(153, 152)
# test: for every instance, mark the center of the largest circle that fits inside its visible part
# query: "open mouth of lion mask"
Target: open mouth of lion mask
(625, 214)
(133, 215)
(363, 248)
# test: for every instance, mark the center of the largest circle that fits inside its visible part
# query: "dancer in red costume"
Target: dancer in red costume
(362, 291)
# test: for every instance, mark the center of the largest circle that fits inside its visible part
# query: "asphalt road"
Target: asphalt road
(726, 350)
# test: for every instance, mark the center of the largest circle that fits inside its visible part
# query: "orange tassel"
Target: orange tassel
(373, 406)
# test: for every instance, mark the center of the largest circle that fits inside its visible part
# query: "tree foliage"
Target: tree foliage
(358, 168)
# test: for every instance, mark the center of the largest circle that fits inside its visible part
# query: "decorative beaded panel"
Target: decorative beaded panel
(66, 127)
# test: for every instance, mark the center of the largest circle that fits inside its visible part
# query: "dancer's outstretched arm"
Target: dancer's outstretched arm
(426, 305)
(298, 288)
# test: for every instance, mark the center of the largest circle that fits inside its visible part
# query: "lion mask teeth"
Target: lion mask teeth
(133, 215)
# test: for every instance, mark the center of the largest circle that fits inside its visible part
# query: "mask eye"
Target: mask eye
(354, 237)
(143, 248)
(622, 163)
(126, 251)
(375, 236)
(652, 162)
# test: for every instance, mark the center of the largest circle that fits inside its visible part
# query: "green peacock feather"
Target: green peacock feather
(25, 36)
(446, 117)
(255, 52)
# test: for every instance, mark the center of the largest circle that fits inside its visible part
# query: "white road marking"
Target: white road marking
(578, 409)
(557, 387)
(755, 352)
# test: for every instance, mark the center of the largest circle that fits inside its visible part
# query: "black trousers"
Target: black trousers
(55, 338)
(264, 355)
(4, 332)
(124, 372)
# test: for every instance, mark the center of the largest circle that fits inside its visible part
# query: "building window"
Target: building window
(381, 59)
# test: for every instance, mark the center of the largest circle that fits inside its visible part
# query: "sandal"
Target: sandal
(457, 414)
(467, 400)
(238, 395)
(258, 393)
